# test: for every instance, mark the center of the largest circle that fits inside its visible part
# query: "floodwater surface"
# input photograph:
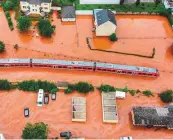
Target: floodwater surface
(137, 34)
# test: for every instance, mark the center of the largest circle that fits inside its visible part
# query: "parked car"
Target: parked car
(65, 134)
(126, 138)
(26, 112)
(54, 96)
(46, 99)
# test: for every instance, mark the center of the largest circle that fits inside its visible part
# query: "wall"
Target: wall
(68, 19)
(105, 29)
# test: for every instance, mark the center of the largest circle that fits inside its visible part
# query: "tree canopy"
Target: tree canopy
(113, 37)
(35, 131)
(166, 96)
(45, 28)
(2, 46)
(24, 23)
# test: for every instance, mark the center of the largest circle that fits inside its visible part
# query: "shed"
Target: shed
(109, 108)
(120, 94)
(62, 85)
(79, 109)
(68, 13)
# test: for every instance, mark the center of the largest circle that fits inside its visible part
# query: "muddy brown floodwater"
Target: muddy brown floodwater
(138, 34)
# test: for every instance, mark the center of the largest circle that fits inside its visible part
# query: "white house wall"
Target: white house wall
(46, 7)
(35, 9)
(68, 19)
(105, 29)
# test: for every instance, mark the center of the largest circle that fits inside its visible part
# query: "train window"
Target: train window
(129, 72)
(98, 69)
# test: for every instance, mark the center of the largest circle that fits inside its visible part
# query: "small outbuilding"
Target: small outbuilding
(104, 22)
(120, 94)
(68, 13)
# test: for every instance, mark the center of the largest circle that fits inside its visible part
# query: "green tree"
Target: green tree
(106, 88)
(113, 37)
(138, 2)
(23, 23)
(2, 46)
(166, 96)
(147, 93)
(5, 85)
(157, 2)
(35, 131)
(121, 2)
(84, 87)
(45, 28)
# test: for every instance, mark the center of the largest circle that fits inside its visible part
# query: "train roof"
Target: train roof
(62, 62)
(15, 60)
(125, 67)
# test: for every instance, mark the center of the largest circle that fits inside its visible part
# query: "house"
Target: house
(152, 117)
(68, 13)
(105, 22)
(36, 7)
(168, 4)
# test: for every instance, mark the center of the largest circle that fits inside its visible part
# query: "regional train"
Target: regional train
(80, 65)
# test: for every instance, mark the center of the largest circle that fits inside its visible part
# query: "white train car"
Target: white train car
(126, 69)
(15, 62)
(63, 64)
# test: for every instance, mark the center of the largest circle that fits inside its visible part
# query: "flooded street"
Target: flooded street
(58, 115)
(137, 34)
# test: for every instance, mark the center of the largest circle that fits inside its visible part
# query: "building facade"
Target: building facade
(36, 7)
(104, 22)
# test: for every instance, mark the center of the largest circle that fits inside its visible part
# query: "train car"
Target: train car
(63, 64)
(125, 69)
(14, 62)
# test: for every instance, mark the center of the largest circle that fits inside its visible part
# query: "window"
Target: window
(45, 8)
(24, 7)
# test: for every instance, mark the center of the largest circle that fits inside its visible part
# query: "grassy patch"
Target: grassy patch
(143, 7)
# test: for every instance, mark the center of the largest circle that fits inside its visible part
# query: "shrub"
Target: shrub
(32, 85)
(138, 91)
(5, 85)
(106, 88)
(147, 93)
(54, 91)
(137, 2)
(23, 23)
(84, 87)
(113, 37)
(166, 96)
(45, 28)
(2, 46)
(68, 90)
(132, 92)
(7, 14)
(35, 131)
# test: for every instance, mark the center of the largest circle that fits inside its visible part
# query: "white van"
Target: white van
(40, 97)
(2, 137)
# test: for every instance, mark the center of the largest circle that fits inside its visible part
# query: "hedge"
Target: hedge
(133, 54)
(8, 17)
(81, 87)
(32, 85)
(109, 88)
(5, 85)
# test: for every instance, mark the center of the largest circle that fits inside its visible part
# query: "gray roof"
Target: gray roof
(62, 62)
(15, 60)
(104, 15)
(68, 12)
(155, 116)
(37, 2)
(125, 67)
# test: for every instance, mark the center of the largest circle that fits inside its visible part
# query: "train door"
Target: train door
(6, 65)
(69, 67)
(118, 72)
